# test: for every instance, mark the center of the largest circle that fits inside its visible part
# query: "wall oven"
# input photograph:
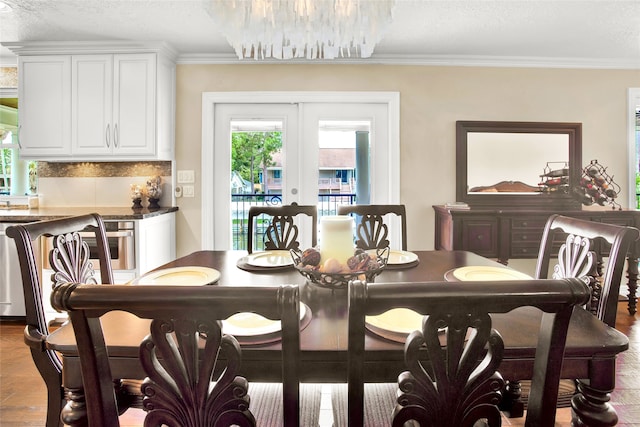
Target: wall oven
(121, 242)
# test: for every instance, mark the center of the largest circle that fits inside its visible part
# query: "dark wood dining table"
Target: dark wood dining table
(590, 353)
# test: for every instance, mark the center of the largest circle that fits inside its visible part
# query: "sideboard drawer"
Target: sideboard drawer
(524, 250)
(535, 223)
(481, 237)
(526, 237)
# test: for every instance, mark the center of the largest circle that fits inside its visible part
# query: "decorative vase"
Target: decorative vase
(154, 191)
(136, 194)
(153, 203)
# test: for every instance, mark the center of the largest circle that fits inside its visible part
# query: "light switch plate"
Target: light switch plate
(188, 191)
(186, 177)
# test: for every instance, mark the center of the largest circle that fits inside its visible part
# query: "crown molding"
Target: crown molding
(433, 60)
(8, 92)
(93, 47)
(89, 47)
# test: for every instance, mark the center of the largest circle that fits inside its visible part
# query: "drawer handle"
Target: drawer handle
(525, 224)
(524, 237)
(480, 237)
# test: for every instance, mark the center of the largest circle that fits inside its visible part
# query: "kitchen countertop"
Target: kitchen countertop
(107, 213)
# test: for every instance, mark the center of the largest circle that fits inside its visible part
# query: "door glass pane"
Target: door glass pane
(256, 175)
(343, 175)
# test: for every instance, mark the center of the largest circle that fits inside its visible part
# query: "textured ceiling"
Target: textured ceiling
(594, 32)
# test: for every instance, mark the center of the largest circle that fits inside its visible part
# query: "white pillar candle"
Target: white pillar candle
(336, 238)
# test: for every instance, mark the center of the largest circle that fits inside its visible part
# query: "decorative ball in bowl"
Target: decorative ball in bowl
(330, 273)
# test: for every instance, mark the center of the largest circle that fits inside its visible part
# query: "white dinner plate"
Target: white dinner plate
(397, 257)
(396, 324)
(178, 276)
(470, 273)
(254, 325)
(270, 259)
(397, 320)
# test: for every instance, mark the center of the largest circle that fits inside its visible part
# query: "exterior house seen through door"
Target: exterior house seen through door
(303, 151)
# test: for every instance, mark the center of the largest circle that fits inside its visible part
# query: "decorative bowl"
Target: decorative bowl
(339, 280)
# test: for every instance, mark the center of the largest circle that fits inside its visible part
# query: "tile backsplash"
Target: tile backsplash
(99, 183)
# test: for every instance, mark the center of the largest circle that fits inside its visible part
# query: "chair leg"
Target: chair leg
(511, 402)
(55, 403)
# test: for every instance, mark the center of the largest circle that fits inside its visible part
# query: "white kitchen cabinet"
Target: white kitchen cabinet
(44, 90)
(155, 241)
(91, 107)
(113, 105)
(11, 293)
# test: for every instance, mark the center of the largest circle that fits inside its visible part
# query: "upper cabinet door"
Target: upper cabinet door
(45, 106)
(112, 106)
(92, 129)
(134, 104)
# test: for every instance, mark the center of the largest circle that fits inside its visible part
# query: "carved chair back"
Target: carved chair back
(371, 230)
(70, 261)
(193, 369)
(456, 382)
(579, 245)
(282, 233)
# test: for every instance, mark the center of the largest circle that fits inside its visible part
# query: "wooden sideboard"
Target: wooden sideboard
(506, 234)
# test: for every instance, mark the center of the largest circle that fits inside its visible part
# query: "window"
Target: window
(6, 155)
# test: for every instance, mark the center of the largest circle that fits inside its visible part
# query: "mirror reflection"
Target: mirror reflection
(518, 164)
(514, 162)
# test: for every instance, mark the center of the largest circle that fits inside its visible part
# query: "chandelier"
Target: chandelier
(311, 29)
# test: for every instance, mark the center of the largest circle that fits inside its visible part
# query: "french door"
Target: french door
(310, 124)
(633, 122)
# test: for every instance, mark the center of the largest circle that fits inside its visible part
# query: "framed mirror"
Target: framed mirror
(518, 164)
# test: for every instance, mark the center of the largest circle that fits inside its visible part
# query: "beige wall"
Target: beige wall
(432, 98)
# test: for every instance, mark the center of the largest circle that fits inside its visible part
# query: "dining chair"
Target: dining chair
(69, 261)
(282, 232)
(576, 238)
(572, 247)
(371, 230)
(193, 369)
(452, 361)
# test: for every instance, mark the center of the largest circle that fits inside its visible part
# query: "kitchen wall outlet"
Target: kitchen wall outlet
(188, 191)
(178, 191)
(186, 177)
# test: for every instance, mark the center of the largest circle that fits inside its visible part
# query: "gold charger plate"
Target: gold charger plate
(270, 259)
(179, 276)
(479, 273)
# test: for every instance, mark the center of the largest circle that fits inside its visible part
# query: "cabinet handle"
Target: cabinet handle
(524, 237)
(115, 135)
(480, 237)
(525, 224)
(107, 134)
(19, 143)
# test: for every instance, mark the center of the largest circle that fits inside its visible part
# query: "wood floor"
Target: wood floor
(23, 395)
